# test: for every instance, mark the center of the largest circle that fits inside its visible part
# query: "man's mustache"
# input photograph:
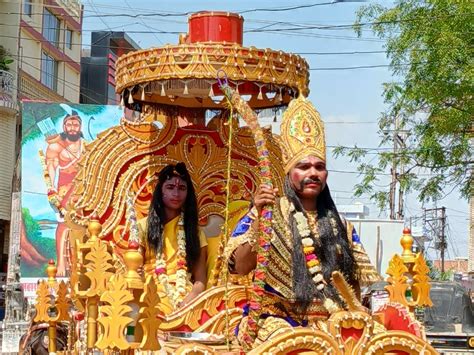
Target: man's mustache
(307, 181)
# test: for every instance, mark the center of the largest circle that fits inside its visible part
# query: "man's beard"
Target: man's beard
(73, 137)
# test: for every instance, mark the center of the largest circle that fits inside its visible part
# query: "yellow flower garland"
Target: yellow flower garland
(177, 292)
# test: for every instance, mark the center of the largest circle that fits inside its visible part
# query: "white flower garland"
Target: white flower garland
(177, 293)
(312, 261)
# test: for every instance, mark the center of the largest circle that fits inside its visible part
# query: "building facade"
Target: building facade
(98, 66)
(380, 237)
(9, 127)
(50, 50)
(40, 49)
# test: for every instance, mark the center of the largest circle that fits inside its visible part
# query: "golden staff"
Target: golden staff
(265, 220)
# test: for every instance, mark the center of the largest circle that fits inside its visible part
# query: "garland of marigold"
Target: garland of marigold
(177, 293)
(265, 220)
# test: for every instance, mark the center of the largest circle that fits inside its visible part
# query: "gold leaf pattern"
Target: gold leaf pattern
(397, 280)
(115, 318)
(149, 315)
(43, 302)
(99, 267)
(62, 302)
(421, 282)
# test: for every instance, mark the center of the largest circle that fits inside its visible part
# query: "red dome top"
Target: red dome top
(215, 26)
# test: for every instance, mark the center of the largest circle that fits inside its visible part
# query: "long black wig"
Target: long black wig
(156, 214)
(332, 233)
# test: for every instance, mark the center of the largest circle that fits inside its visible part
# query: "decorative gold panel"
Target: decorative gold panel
(115, 310)
(346, 320)
(397, 280)
(128, 157)
(421, 282)
(148, 316)
(398, 341)
(299, 339)
(43, 302)
(209, 302)
(201, 61)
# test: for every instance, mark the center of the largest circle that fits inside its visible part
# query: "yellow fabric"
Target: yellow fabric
(212, 251)
(237, 209)
(170, 247)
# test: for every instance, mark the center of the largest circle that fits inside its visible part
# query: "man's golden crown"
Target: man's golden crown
(302, 133)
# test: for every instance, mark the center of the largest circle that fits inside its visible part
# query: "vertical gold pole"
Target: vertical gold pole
(52, 337)
(92, 313)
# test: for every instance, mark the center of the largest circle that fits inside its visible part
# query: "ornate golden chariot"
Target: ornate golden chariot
(184, 118)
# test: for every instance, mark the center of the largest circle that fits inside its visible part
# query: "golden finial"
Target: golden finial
(407, 242)
(95, 228)
(133, 260)
(51, 271)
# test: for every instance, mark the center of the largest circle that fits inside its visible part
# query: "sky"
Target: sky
(349, 100)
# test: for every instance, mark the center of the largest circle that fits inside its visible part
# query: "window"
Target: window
(50, 27)
(49, 71)
(28, 7)
(68, 38)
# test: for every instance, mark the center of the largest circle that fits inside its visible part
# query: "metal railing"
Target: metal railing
(31, 88)
(6, 82)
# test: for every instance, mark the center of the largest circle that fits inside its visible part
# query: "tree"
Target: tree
(438, 275)
(430, 47)
(5, 59)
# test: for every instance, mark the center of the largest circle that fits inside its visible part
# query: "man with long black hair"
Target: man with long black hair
(176, 250)
(309, 241)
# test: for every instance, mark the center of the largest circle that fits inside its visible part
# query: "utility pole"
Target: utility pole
(397, 170)
(400, 141)
(443, 236)
(435, 219)
(393, 171)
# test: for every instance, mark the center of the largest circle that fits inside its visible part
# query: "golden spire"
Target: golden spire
(51, 271)
(407, 242)
(302, 133)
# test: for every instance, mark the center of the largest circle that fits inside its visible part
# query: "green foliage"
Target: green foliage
(33, 113)
(5, 59)
(32, 228)
(45, 246)
(437, 275)
(430, 47)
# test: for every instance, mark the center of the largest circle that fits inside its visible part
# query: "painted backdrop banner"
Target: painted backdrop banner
(54, 136)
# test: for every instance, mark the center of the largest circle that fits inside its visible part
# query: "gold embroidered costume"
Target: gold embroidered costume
(302, 135)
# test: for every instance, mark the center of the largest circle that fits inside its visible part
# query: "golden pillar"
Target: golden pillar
(92, 314)
(52, 337)
(51, 271)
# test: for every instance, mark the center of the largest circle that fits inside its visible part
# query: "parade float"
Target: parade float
(190, 97)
